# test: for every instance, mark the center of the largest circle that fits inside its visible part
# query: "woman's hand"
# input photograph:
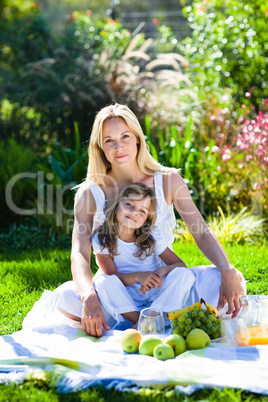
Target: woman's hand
(92, 316)
(230, 291)
(148, 280)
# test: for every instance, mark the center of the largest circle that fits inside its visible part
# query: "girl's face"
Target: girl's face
(133, 211)
(119, 143)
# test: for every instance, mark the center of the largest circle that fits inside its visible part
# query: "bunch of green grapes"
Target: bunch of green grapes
(198, 318)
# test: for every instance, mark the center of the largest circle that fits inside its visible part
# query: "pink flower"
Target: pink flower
(212, 118)
(225, 98)
(226, 157)
(215, 148)
(243, 106)
(218, 168)
(247, 94)
(248, 158)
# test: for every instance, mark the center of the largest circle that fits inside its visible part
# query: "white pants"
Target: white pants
(181, 287)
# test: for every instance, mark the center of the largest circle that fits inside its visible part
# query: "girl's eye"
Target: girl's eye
(142, 211)
(127, 203)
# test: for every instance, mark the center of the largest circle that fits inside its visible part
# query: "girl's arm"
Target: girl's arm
(176, 192)
(171, 260)
(148, 278)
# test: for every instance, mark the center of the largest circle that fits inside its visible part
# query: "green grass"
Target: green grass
(25, 275)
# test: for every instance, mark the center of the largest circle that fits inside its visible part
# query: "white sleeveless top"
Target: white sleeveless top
(165, 219)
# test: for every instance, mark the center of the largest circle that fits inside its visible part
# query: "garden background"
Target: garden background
(200, 93)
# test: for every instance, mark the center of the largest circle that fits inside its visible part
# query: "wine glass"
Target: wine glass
(151, 321)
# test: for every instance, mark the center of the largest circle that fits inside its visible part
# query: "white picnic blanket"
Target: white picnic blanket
(67, 359)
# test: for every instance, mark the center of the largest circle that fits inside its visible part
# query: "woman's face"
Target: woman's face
(133, 211)
(119, 143)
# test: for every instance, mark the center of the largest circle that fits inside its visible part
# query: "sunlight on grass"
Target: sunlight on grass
(24, 277)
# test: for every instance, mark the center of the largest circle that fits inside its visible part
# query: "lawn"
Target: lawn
(24, 276)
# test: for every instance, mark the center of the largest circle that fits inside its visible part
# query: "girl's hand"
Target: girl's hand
(230, 291)
(92, 316)
(149, 280)
(161, 272)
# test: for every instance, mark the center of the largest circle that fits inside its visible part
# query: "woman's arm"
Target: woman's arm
(148, 278)
(176, 192)
(92, 316)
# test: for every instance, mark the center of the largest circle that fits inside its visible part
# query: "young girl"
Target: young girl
(130, 275)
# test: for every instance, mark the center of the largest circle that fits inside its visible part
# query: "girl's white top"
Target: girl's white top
(165, 219)
(126, 262)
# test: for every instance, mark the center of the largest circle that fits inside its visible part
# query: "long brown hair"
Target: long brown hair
(108, 232)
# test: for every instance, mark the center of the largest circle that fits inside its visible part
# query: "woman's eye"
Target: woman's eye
(125, 136)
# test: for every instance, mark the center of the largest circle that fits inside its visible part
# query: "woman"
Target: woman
(118, 156)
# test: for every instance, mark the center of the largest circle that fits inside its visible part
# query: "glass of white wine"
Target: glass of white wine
(151, 321)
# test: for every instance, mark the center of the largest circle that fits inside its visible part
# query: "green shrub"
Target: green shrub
(17, 179)
(228, 48)
(61, 83)
(230, 229)
(31, 235)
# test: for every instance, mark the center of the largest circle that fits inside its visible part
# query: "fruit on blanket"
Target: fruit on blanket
(172, 315)
(163, 351)
(197, 318)
(211, 309)
(130, 340)
(197, 339)
(148, 343)
(177, 343)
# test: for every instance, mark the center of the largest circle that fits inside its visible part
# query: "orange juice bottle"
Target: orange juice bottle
(253, 335)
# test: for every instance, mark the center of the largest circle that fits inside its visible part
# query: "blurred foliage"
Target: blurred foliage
(228, 48)
(90, 65)
(60, 84)
(53, 83)
(199, 166)
(31, 235)
(229, 229)
(17, 178)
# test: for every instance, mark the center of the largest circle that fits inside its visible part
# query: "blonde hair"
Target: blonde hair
(108, 232)
(98, 165)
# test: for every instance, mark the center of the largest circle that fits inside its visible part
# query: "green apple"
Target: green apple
(197, 339)
(163, 351)
(148, 343)
(177, 343)
(130, 340)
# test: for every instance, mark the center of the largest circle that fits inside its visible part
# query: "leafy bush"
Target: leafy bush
(200, 166)
(228, 47)
(148, 82)
(18, 167)
(31, 235)
(61, 84)
(239, 228)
